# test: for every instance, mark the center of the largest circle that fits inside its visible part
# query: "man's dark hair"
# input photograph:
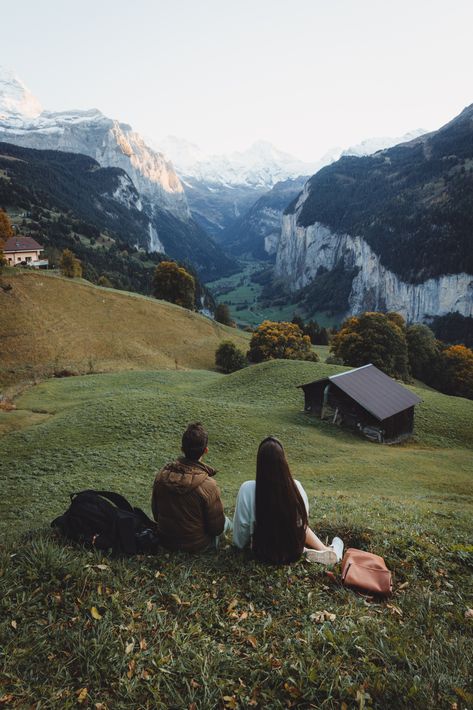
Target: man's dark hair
(194, 441)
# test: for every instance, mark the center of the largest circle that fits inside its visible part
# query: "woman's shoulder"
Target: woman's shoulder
(247, 487)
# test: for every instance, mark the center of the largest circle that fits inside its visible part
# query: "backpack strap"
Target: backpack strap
(114, 498)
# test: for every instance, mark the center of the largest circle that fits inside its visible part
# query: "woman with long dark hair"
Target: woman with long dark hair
(271, 513)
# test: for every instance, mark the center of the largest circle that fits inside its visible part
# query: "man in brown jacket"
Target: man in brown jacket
(186, 500)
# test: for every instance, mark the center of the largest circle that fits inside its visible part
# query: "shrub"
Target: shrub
(229, 358)
(173, 283)
(222, 315)
(456, 371)
(280, 341)
(104, 281)
(70, 265)
(6, 229)
(333, 360)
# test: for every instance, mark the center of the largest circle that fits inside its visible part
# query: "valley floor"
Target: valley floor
(220, 630)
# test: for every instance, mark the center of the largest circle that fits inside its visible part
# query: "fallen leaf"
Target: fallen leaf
(6, 699)
(252, 641)
(100, 706)
(232, 605)
(82, 695)
(129, 647)
(394, 609)
(131, 669)
(230, 701)
(176, 598)
(149, 605)
(14, 624)
(194, 683)
(143, 645)
(469, 614)
(95, 613)
(403, 585)
(102, 567)
(320, 616)
(293, 691)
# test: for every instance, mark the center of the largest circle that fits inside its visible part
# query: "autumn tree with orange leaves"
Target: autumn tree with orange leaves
(455, 374)
(280, 341)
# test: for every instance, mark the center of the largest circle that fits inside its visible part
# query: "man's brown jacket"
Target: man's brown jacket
(186, 505)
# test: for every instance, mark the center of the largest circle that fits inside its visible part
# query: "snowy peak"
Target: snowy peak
(16, 100)
(372, 145)
(260, 166)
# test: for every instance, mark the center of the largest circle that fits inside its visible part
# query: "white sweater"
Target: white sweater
(244, 517)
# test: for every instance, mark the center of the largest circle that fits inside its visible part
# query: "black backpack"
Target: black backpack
(105, 520)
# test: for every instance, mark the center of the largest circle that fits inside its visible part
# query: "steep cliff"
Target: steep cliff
(401, 221)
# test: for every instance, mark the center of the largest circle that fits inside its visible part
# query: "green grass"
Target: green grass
(220, 630)
(242, 297)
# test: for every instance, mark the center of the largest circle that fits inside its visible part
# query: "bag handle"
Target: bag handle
(114, 498)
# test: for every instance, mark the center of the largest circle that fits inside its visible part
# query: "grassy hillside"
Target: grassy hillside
(48, 324)
(219, 630)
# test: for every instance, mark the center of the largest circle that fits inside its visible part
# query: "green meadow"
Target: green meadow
(220, 630)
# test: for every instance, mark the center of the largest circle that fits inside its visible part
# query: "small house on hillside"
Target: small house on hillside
(366, 400)
(24, 251)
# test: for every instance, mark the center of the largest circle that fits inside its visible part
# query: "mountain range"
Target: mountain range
(170, 227)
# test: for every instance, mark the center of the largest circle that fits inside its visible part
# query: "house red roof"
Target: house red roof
(21, 244)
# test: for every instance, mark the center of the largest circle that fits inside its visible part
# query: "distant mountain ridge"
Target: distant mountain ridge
(113, 144)
(256, 232)
(399, 223)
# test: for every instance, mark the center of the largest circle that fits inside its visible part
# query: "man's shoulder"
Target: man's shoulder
(208, 488)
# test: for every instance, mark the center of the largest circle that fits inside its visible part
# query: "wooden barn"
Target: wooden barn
(366, 400)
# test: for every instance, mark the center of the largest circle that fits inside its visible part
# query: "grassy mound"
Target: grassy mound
(51, 324)
(219, 630)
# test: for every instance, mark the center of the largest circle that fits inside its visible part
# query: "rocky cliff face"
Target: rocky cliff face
(396, 225)
(111, 143)
(304, 252)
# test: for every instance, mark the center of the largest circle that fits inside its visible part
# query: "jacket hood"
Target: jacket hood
(184, 475)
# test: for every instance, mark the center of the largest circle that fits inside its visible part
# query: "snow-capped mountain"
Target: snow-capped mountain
(112, 144)
(222, 189)
(17, 103)
(372, 145)
(260, 166)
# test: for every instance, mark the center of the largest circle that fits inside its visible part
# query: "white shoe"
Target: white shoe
(337, 544)
(323, 557)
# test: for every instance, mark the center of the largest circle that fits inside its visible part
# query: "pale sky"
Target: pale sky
(306, 75)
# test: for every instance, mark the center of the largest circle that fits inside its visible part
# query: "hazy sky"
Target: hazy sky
(306, 75)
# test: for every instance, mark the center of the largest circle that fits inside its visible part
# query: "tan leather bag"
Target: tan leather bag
(366, 572)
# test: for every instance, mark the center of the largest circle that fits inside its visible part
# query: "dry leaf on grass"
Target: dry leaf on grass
(469, 614)
(94, 612)
(320, 616)
(82, 695)
(129, 647)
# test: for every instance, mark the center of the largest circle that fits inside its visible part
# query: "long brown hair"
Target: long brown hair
(281, 517)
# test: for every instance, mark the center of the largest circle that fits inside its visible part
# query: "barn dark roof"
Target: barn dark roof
(15, 244)
(373, 390)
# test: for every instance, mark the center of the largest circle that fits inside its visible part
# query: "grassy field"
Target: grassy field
(220, 630)
(49, 324)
